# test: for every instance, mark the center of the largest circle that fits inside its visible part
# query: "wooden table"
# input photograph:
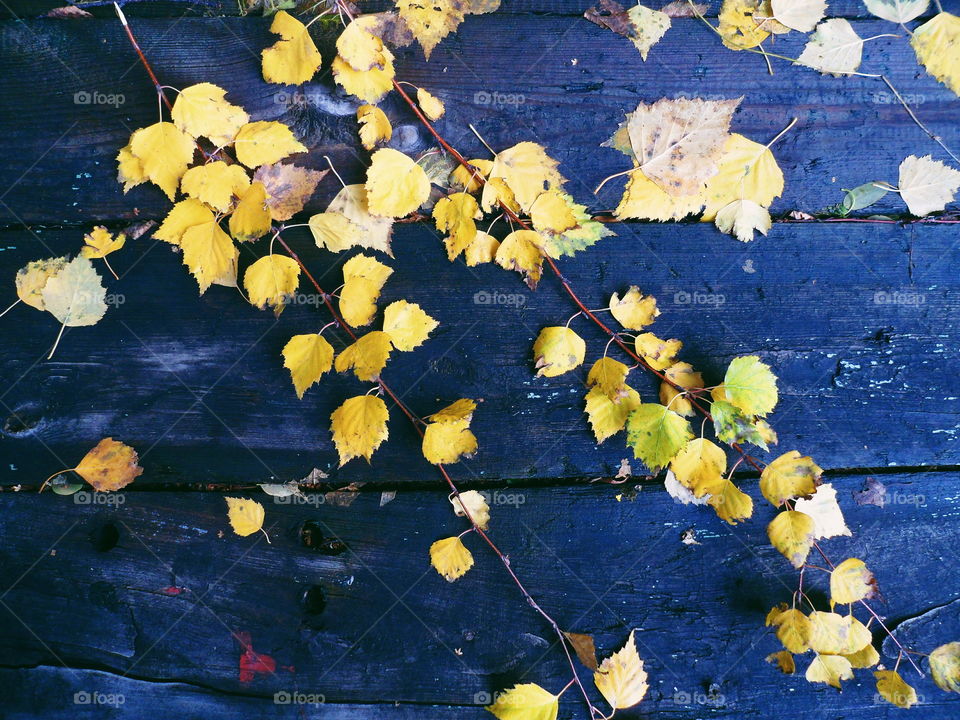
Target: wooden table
(154, 599)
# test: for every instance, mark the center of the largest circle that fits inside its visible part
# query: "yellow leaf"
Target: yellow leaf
(445, 442)
(130, 171)
(430, 105)
(557, 350)
(246, 516)
(183, 216)
(737, 26)
(251, 219)
(483, 249)
(700, 466)
(945, 667)
(462, 409)
(473, 503)
(834, 634)
(431, 22)
(471, 180)
(621, 678)
(927, 185)
(731, 503)
(75, 295)
(681, 374)
(829, 669)
(111, 465)
(747, 170)
(164, 152)
(937, 44)
(407, 325)
(643, 199)
(788, 477)
(750, 385)
(658, 354)
(207, 251)
(360, 48)
(742, 218)
(550, 212)
(610, 376)
(396, 185)
(521, 251)
(99, 243)
(271, 280)
(294, 58)
(367, 356)
(229, 278)
(363, 278)
(657, 435)
(351, 202)
(607, 415)
(359, 426)
(202, 111)
(894, 689)
(497, 194)
(334, 231)
(374, 126)
(450, 558)
(215, 183)
(527, 701)
(784, 661)
(851, 581)
(288, 187)
(527, 170)
(793, 630)
(455, 215)
(634, 310)
(32, 278)
(265, 142)
(865, 658)
(307, 357)
(367, 85)
(791, 533)
(834, 48)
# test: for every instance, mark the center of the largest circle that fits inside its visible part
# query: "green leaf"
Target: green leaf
(732, 426)
(657, 434)
(750, 385)
(585, 234)
(862, 197)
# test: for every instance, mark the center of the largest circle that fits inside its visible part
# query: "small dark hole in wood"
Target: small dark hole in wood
(22, 420)
(314, 600)
(311, 536)
(105, 537)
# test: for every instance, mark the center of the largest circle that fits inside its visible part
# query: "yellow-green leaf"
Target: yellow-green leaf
(750, 385)
(657, 434)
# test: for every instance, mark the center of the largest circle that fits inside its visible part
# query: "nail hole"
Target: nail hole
(105, 537)
(311, 536)
(23, 420)
(314, 600)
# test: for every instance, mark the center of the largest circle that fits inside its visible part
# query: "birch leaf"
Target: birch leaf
(367, 85)
(451, 559)
(634, 310)
(742, 218)
(610, 376)
(750, 385)
(202, 110)
(927, 185)
(657, 353)
(431, 22)
(359, 426)
(246, 516)
(527, 170)
(251, 218)
(851, 582)
(791, 533)
(737, 26)
(164, 152)
(182, 216)
(748, 171)
(396, 185)
(898, 11)
(431, 106)
(521, 251)
(367, 356)
(945, 667)
(475, 504)
(700, 466)
(445, 443)
(834, 48)
(307, 357)
(294, 58)
(265, 142)
(407, 325)
(361, 48)
(375, 231)
(656, 434)
(271, 280)
(455, 215)
(621, 678)
(802, 15)
(557, 350)
(608, 415)
(32, 278)
(110, 466)
(215, 184)
(75, 295)
(363, 279)
(937, 45)
(894, 689)
(829, 669)
(643, 199)
(374, 126)
(208, 252)
(788, 477)
(827, 517)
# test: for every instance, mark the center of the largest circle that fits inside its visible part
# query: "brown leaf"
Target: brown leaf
(68, 12)
(584, 646)
(288, 187)
(611, 15)
(683, 9)
(111, 465)
(874, 493)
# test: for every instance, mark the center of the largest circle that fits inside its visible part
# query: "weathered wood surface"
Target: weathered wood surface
(560, 81)
(157, 596)
(858, 321)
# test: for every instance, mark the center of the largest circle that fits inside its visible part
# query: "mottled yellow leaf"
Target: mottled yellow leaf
(359, 426)
(367, 356)
(700, 466)
(431, 22)
(374, 126)
(32, 278)
(111, 465)
(793, 630)
(407, 325)
(288, 187)
(621, 678)
(851, 581)
(644, 199)
(483, 249)
(471, 180)
(658, 354)
(521, 251)
(351, 202)
(527, 170)
(738, 28)
(294, 58)
(610, 376)
(683, 375)
(265, 142)
(791, 533)
(307, 357)
(396, 185)
(271, 280)
(894, 689)
(634, 310)
(937, 44)
(834, 634)
(557, 350)
(201, 110)
(450, 558)
(788, 477)
(945, 666)
(246, 516)
(75, 295)
(360, 48)
(608, 415)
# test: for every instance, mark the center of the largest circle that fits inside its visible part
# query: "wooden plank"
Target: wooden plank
(858, 321)
(561, 81)
(177, 8)
(165, 603)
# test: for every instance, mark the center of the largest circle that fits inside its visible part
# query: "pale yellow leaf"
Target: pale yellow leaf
(483, 249)
(827, 517)
(396, 185)
(374, 126)
(75, 295)
(937, 44)
(945, 667)
(834, 634)
(621, 678)
(802, 15)
(742, 218)
(746, 170)
(791, 533)
(246, 516)
(834, 48)
(927, 185)
(351, 202)
(431, 106)
(473, 503)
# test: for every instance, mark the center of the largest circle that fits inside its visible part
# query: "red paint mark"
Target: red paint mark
(252, 662)
(173, 590)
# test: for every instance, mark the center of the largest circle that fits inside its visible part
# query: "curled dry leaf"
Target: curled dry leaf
(110, 466)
